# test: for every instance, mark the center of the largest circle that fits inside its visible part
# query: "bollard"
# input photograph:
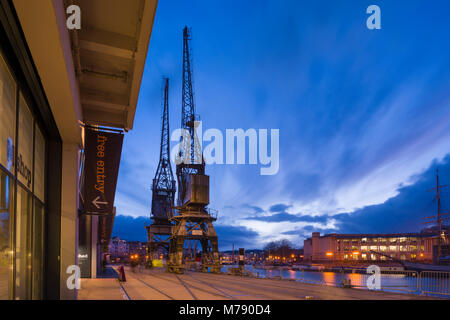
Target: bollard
(347, 283)
(122, 277)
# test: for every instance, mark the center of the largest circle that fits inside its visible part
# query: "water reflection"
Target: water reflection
(389, 282)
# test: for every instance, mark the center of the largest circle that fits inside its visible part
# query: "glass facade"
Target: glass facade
(22, 194)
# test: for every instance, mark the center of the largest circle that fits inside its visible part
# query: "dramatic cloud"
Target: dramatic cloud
(279, 208)
(362, 113)
(130, 229)
(404, 212)
(239, 236)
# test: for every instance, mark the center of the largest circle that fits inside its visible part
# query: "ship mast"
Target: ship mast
(439, 216)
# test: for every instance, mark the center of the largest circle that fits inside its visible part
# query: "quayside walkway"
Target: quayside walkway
(156, 284)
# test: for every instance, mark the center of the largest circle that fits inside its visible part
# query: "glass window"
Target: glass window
(38, 249)
(39, 165)
(23, 244)
(25, 145)
(22, 221)
(6, 221)
(7, 117)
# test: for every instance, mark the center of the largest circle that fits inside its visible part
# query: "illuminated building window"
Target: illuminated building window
(345, 256)
(373, 257)
(383, 248)
(374, 248)
(363, 248)
(392, 248)
(364, 240)
(364, 256)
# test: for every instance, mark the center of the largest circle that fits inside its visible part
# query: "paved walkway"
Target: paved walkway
(156, 284)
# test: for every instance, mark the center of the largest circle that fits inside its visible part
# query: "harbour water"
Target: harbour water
(401, 282)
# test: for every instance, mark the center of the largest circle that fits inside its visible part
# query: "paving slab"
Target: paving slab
(156, 284)
(100, 289)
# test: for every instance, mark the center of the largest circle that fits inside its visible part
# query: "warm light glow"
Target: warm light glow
(292, 255)
(355, 252)
(421, 255)
(329, 254)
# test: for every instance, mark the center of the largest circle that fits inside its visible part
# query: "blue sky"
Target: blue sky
(364, 115)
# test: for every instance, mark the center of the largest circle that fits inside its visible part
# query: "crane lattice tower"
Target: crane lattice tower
(193, 221)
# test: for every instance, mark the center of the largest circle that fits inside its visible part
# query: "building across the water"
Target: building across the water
(118, 248)
(137, 247)
(369, 247)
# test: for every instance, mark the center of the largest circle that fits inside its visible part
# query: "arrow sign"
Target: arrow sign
(102, 161)
(97, 203)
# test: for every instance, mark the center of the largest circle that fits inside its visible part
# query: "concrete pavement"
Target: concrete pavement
(156, 284)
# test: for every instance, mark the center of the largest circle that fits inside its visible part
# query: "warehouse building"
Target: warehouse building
(354, 248)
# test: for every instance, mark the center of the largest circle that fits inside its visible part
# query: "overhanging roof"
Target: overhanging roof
(109, 55)
(92, 75)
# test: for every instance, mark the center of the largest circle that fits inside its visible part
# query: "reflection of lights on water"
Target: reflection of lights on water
(329, 277)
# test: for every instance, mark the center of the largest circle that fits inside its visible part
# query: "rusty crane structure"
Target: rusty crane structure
(163, 190)
(192, 219)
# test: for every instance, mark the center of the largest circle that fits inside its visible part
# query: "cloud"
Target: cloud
(284, 216)
(405, 211)
(131, 228)
(279, 207)
(237, 235)
(361, 114)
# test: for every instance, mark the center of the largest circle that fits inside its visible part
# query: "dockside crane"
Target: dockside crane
(163, 188)
(192, 219)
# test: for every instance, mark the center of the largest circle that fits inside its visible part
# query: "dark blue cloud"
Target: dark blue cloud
(254, 208)
(131, 229)
(279, 207)
(306, 231)
(239, 236)
(284, 216)
(404, 212)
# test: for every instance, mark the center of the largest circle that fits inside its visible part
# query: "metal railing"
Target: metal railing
(435, 283)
